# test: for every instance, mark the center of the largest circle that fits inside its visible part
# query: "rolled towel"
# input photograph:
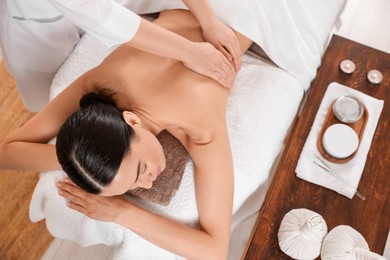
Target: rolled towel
(301, 233)
(344, 242)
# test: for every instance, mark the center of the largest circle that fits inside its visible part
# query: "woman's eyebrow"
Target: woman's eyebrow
(138, 170)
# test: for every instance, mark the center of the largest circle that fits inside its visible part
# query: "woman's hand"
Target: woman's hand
(224, 39)
(93, 206)
(205, 59)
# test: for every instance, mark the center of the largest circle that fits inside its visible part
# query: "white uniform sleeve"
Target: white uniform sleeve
(106, 20)
(37, 10)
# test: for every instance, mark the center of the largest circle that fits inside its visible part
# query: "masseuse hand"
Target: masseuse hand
(205, 59)
(93, 206)
(224, 39)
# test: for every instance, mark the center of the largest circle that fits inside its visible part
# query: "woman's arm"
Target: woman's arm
(214, 194)
(26, 149)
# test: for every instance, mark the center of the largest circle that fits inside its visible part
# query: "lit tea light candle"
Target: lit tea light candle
(347, 66)
(374, 76)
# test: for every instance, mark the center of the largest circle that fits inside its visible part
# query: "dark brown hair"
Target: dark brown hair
(93, 141)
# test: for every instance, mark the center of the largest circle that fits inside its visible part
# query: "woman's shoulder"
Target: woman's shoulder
(199, 129)
(197, 111)
(105, 76)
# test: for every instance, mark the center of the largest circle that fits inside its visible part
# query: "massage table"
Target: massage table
(261, 108)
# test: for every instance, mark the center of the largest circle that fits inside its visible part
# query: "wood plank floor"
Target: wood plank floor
(19, 238)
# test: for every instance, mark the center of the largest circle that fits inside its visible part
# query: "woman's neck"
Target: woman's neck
(148, 123)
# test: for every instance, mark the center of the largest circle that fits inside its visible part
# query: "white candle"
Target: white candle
(374, 76)
(347, 66)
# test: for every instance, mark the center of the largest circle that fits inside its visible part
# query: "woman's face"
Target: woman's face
(140, 167)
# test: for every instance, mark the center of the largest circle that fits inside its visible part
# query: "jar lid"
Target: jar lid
(340, 141)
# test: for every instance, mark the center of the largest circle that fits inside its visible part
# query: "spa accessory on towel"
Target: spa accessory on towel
(340, 141)
(344, 242)
(351, 171)
(166, 185)
(348, 109)
(301, 233)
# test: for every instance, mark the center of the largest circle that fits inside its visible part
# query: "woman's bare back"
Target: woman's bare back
(165, 91)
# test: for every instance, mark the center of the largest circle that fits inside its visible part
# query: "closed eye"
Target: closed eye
(139, 173)
(146, 168)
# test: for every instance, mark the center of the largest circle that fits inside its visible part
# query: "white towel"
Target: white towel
(351, 171)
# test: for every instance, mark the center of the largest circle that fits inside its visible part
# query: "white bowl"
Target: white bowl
(340, 141)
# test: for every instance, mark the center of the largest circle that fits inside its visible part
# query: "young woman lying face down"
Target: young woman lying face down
(109, 151)
(103, 152)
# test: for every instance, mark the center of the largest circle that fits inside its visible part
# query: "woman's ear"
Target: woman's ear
(131, 119)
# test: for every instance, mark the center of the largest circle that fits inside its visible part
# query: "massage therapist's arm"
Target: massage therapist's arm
(201, 57)
(26, 149)
(214, 194)
(113, 24)
(216, 32)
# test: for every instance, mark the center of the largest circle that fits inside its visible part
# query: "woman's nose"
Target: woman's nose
(147, 181)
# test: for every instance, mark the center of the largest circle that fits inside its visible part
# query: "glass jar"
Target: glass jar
(348, 109)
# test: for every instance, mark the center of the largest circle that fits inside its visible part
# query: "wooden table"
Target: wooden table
(370, 217)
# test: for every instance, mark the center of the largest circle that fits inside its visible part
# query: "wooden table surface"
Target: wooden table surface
(370, 217)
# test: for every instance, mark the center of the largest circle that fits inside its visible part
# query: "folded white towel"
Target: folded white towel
(351, 171)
